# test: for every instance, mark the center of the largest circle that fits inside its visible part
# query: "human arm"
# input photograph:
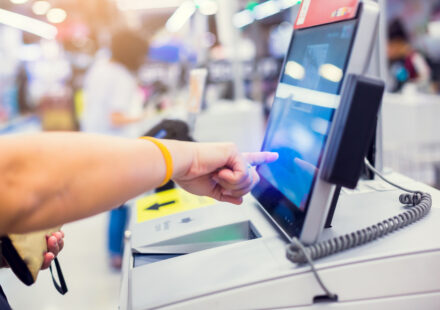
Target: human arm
(53, 178)
(119, 119)
(124, 96)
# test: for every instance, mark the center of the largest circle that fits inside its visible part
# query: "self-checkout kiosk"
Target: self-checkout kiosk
(187, 252)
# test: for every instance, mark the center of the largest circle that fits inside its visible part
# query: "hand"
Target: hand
(219, 171)
(55, 244)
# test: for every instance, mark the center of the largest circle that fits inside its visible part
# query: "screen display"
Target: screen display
(301, 115)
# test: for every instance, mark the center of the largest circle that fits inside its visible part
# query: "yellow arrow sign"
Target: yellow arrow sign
(169, 202)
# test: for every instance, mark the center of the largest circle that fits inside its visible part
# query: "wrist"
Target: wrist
(183, 154)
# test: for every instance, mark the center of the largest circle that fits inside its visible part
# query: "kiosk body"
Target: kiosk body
(228, 257)
(397, 272)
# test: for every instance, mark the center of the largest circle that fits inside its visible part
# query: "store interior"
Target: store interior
(53, 56)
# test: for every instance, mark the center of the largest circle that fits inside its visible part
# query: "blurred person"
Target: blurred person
(49, 179)
(110, 86)
(110, 93)
(406, 64)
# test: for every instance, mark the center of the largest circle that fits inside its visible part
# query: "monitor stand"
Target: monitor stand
(331, 212)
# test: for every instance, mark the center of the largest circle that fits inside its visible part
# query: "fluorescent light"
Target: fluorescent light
(285, 4)
(331, 72)
(208, 7)
(126, 5)
(180, 16)
(19, 1)
(40, 7)
(243, 19)
(56, 16)
(261, 11)
(28, 24)
(266, 9)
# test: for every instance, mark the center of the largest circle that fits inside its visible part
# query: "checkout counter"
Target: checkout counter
(411, 143)
(22, 124)
(212, 255)
(221, 256)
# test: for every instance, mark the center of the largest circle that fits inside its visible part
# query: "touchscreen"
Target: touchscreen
(301, 115)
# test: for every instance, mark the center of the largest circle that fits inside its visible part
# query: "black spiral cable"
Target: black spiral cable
(419, 205)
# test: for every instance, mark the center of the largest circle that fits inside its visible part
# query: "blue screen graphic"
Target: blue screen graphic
(301, 116)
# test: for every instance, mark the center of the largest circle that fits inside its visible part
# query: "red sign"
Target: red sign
(320, 12)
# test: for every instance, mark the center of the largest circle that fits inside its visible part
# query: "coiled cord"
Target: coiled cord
(419, 203)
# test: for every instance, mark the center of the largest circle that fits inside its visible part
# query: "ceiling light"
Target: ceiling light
(40, 7)
(28, 24)
(261, 11)
(266, 9)
(19, 1)
(182, 14)
(56, 16)
(243, 19)
(208, 7)
(285, 4)
(147, 4)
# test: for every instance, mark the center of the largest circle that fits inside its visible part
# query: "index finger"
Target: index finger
(259, 158)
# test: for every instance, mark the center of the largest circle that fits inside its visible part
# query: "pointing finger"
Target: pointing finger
(259, 158)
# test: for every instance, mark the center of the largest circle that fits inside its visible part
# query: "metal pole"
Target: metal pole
(229, 37)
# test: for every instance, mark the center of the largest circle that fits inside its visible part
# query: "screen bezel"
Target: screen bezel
(259, 191)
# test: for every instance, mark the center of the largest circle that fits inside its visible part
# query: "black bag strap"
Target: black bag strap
(4, 304)
(61, 287)
(14, 260)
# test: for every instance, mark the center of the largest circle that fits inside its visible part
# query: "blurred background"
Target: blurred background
(135, 57)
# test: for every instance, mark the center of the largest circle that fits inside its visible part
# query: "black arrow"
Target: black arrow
(157, 206)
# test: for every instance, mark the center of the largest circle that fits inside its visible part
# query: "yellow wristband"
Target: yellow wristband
(166, 156)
